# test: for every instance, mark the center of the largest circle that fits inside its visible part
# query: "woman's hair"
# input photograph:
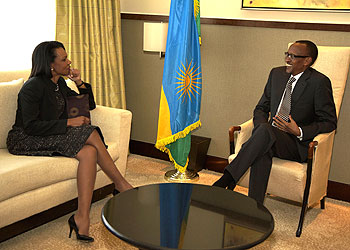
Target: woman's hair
(43, 55)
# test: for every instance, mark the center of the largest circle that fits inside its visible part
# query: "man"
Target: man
(299, 110)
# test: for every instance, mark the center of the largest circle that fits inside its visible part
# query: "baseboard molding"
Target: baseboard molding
(148, 149)
(39, 219)
(338, 191)
(335, 190)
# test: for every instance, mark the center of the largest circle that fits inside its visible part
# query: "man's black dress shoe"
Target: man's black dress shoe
(231, 185)
(225, 181)
(115, 192)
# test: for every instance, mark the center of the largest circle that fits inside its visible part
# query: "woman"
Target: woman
(42, 127)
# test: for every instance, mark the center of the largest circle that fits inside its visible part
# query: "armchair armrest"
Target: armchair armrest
(244, 132)
(320, 152)
(325, 137)
(115, 125)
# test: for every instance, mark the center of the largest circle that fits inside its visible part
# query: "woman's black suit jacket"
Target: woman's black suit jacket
(37, 109)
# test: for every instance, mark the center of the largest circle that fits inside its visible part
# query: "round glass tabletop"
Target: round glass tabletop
(187, 216)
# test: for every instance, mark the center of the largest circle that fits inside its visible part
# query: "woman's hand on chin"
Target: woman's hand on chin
(74, 75)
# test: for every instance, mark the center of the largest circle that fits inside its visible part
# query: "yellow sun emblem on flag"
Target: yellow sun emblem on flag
(196, 8)
(189, 81)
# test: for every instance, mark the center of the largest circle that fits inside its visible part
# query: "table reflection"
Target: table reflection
(174, 203)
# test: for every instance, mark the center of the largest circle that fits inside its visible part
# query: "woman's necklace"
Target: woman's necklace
(55, 81)
(57, 88)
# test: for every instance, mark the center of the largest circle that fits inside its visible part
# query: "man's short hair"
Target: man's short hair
(312, 49)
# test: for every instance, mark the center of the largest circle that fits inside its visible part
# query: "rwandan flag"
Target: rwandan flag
(180, 99)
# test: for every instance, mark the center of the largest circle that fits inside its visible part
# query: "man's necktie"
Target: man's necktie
(287, 101)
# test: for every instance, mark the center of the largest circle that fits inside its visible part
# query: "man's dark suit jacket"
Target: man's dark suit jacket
(37, 106)
(312, 107)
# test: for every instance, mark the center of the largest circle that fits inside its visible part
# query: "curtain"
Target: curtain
(91, 34)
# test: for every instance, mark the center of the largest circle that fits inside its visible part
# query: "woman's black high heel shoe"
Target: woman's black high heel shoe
(73, 226)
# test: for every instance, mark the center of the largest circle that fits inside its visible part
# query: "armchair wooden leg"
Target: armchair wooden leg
(304, 209)
(304, 206)
(302, 216)
(323, 202)
(307, 187)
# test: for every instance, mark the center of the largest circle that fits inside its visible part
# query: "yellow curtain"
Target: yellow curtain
(91, 34)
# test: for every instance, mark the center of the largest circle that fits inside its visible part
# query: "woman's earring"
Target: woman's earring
(51, 69)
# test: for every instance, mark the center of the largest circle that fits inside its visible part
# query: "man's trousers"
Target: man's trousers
(266, 142)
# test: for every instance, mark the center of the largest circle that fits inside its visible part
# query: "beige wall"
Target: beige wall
(235, 65)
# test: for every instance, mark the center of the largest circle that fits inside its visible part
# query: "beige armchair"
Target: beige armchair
(303, 182)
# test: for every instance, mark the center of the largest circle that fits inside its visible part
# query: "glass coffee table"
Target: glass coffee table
(187, 216)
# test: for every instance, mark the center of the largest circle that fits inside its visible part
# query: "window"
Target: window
(24, 24)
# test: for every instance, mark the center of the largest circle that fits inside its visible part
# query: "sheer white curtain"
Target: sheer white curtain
(23, 25)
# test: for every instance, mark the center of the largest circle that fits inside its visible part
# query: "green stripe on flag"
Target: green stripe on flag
(180, 149)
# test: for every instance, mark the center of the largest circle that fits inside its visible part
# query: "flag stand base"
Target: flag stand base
(176, 176)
